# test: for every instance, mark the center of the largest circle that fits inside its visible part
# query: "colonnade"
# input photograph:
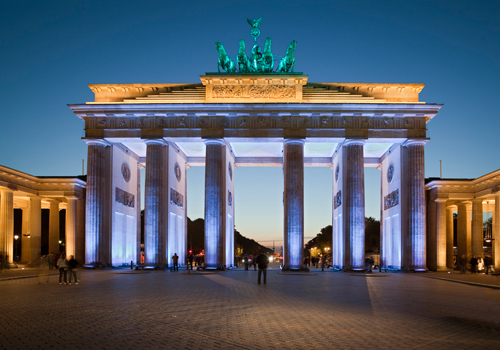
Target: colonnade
(469, 227)
(31, 236)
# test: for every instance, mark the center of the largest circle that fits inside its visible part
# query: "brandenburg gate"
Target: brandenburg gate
(252, 114)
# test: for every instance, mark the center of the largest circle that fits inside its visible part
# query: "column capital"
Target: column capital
(96, 142)
(354, 142)
(214, 142)
(160, 142)
(415, 142)
(294, 141)
(477, 201)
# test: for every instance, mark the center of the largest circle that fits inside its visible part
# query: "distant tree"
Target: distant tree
(324, 238)
(372, 235)
(196, 239)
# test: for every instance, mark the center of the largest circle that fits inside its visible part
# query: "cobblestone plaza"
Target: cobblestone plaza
(124, 309)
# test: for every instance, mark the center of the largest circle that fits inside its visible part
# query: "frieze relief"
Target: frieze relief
(125, 198)
(257, 122)
(254, 91)
(391, 200)
(176, 198)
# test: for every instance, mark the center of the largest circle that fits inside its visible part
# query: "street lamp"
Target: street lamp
(16, 237)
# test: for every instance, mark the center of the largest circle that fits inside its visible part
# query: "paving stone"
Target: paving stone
(116, 309)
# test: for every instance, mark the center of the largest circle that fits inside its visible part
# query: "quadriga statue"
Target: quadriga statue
(224, 62)
(267, 57)
(288, 62)
(244, 65)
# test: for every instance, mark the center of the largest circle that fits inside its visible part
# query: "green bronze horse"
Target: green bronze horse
(267, 56)
(244, 65)
(288, 62)
(224, 62)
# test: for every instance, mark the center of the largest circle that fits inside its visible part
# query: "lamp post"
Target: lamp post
(16, 237)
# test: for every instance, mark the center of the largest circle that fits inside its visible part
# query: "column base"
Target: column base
(442, 269)
(151, 267)
(218, 267)
(356, 270)
(415, 269)
(294, 268)
(95, 265)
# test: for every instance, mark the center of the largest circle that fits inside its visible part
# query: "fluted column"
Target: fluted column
(449, 238)
(477, 239)
(441, 237)
(354, 205)
(495, 235)
(462, 222)
(293, 200)
(214, 202)
(54, 227)
(80, 230)
(415, 241)
(7, 225)
(35, 229)
(71, 226)
(155, 238)
(95, 189)
(25, 237)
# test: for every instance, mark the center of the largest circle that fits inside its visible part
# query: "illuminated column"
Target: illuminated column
(35, 229)
(293, 200)
(54, 227)
(94, 233)
(415, 240)
(214, 203)
(441, 244)
(71, 226)
(139, 224)
(449, 238)
(463, 243)
(80, 230)
(155, 224)
(495, 235)
(354, 205)
(477, 239)
(25, 238)
(7, 225)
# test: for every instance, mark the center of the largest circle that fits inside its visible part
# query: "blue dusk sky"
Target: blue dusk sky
(51, 50)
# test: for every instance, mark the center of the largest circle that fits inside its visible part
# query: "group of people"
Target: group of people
(63, 264)
(477, 263)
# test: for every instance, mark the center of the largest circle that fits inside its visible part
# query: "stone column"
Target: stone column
(214, 203)
(80, 230)
(35, 229)
(415, 240)
(139, 223)
(71, 226)
(495, 234)
(7, 225)
(477, 239)
(54, 227)
(354, 204)
(441, 235)
(462, 222)
(95, 198)
(293, 201)
(25, 237)
(449, 238)
(155, 236)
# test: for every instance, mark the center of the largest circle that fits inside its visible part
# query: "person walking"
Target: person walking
(473, 264)
(190, 260)
(72, 268)
(262, 260)
(50, 260)
(254, 262)
(462, 264)
(62, 264)
(175, 259)
(487, 264)
(323, 261)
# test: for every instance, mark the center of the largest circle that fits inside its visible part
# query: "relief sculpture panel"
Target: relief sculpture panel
(253, 91)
